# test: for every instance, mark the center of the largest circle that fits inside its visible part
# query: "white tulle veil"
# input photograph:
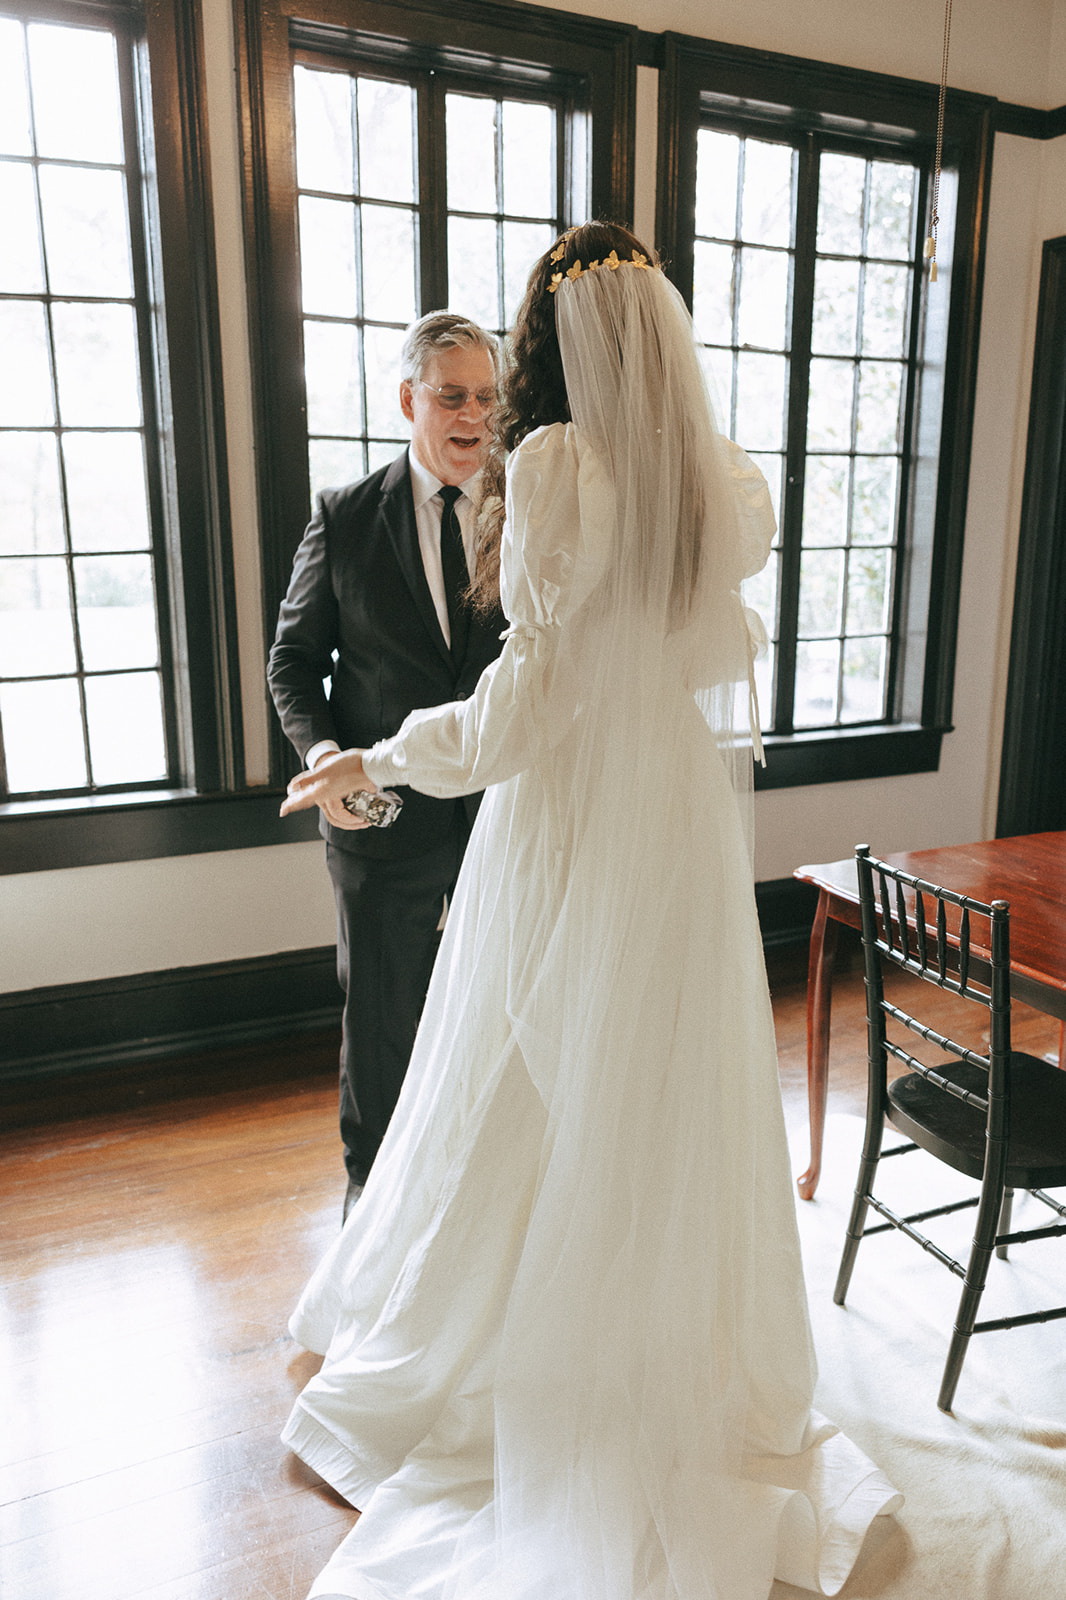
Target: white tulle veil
(631, 1386)
(693, 518)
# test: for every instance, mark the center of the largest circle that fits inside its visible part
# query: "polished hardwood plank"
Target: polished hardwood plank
(158, 1225)
(150, 1256)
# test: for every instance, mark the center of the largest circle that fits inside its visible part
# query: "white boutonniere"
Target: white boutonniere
(491, 508)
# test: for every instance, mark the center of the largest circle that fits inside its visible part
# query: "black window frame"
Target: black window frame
(179, 328)
(872, 114)
(432, 85)
(504, 46)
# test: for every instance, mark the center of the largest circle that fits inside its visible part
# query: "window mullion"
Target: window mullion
(432, 193)
(903, 509)
(497, 152)
(565, 124)
(796, 441)
(133, 80)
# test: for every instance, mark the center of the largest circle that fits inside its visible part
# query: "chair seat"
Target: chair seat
(954, 1132)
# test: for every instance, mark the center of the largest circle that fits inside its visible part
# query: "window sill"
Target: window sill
(45, 835)
(843, 755)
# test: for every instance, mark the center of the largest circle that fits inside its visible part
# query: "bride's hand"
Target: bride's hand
(333, 778)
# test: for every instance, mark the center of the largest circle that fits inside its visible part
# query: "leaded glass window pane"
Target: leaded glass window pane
(359, 222)
(363, 241)
(33, 763)
(325, 147)
(858, 386)
(838, 561)
(472, 241)
(114, 704)
(503, 208)
(31, 505)
(77, 592)
(743, 264)
(386, 141)
(21, 266)
(86, 235)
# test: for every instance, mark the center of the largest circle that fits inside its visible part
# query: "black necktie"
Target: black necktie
(456, 576)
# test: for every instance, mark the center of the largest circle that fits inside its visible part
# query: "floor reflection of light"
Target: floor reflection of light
(118, 1331)
(117, 1349)
(143, 1353)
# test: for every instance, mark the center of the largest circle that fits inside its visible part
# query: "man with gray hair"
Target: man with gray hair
(376, 605)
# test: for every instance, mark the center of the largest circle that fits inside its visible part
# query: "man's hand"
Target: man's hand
(325, 787)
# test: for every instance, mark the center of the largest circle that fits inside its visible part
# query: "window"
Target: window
(119, 697)
(505, 198)
(793, 205)
(835, 465)
(361, 227)
(428, 174)
(80, 660)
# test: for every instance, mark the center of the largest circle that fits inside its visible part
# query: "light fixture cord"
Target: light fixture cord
(930, 243)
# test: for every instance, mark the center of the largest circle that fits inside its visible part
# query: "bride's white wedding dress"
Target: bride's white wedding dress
(566, 1337)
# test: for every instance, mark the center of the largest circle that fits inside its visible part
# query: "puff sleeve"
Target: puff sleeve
(557, 533)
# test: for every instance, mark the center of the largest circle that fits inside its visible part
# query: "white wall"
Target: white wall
(147, 916)
(1056, 69)
(998, 47)
(105, 921)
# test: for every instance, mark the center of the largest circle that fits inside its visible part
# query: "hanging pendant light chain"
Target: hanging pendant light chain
(930, 243)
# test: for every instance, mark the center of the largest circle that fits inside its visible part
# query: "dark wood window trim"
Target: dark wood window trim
(141, 827)
(1031, 795)
(801, 95)
(195, 567)
(1026, 122)
(502, 43)
(1029, 122)
(165, 822)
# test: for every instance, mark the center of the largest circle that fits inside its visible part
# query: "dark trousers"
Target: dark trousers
(388, 914)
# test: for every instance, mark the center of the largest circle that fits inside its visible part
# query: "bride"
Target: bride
(567, 1354)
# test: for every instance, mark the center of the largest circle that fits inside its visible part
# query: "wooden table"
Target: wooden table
(1029, 872)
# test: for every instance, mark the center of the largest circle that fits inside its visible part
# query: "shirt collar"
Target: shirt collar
(424, 485)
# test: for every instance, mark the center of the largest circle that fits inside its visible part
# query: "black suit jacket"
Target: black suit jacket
(359, 590)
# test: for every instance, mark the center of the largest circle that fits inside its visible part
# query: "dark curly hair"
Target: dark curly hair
(534, 390)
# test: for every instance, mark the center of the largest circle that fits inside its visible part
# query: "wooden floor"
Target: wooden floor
(157, 1226)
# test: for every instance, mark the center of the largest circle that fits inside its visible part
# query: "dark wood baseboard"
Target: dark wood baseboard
(85, 1028)
(786, 912)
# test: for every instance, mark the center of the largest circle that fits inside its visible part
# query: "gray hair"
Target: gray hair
(443, 330)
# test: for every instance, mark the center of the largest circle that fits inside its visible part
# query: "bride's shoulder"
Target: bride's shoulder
(552, 438)
(558, 448)
(547, 461)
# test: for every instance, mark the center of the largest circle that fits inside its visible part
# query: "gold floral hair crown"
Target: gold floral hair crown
(610, 263)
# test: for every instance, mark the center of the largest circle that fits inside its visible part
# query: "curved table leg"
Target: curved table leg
(819, 1005)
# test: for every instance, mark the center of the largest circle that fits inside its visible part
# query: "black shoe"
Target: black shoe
(352, 1195)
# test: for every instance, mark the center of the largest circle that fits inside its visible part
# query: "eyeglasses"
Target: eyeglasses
(452, 399)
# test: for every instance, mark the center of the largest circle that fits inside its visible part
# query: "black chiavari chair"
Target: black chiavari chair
(999, 1117)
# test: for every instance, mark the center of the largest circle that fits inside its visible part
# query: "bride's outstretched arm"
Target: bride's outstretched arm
(525, 700)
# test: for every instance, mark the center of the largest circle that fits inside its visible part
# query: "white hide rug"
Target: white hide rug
(984, 1516)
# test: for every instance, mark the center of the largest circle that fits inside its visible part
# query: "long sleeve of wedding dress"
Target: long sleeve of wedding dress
(567, 1354)
(558, 496)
